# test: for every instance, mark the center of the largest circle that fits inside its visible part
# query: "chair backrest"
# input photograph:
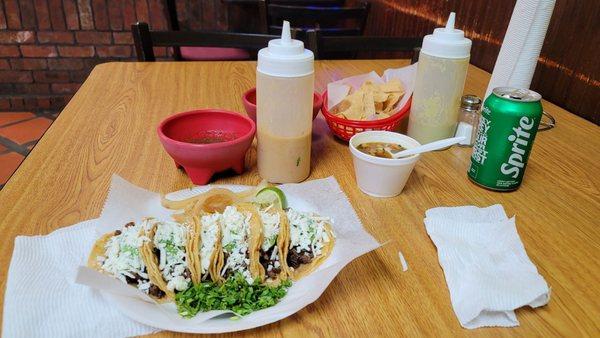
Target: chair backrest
(145, 40)
(325, 18)
(320, 44)
(321, 3)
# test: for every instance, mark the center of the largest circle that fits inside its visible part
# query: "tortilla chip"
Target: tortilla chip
(382, 116)
(392, 86)
(391, 102)
(369, 100)
(369, 103)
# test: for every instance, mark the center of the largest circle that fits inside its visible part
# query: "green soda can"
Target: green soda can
(507, 127)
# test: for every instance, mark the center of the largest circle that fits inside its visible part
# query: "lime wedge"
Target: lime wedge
(271, 195)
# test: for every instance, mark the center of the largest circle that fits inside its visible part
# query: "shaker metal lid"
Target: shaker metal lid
(517, 94)
(470, 102)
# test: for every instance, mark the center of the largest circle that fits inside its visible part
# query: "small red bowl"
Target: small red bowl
(249, 99)
(207, 141)
(345, 129)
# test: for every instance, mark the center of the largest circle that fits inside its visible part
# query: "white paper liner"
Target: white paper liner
(127, 202)
(338, 90)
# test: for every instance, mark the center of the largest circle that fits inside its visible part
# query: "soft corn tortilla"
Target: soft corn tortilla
(152, 264)
(99, 249)
(305, 269)
(283, 242)
(255, 241)
(196, 259)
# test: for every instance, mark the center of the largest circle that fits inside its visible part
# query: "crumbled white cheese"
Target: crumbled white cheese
(170, 239)
(274, 254)
(208, 234)
(307, 231)
(270, 222)
(236, 234)
(122, 257)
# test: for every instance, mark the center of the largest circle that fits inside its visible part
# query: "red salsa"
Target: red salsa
(211, 136)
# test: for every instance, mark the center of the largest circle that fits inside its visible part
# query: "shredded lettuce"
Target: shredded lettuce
(235, 295)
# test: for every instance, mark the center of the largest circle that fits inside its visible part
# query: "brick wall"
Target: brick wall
(48, 47)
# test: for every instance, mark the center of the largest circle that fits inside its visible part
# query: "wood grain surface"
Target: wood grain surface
(109, 128)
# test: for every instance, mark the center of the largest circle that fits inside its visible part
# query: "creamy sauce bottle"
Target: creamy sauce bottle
(284, 100)
(439, 85)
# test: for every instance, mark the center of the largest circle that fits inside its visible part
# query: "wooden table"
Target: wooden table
(109, 127)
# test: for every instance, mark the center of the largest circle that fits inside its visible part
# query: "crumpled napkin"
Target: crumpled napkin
(485, 264)
(42, 298)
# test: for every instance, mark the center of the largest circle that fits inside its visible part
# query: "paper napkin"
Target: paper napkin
(42, 299)
(485, 264)
(522, 44)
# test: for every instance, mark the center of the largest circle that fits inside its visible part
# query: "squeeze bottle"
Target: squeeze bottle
(441, 73)
(284, 100)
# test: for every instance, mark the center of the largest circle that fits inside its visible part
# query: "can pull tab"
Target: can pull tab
(518, 94)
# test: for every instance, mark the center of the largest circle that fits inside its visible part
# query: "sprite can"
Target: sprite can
(507, 127)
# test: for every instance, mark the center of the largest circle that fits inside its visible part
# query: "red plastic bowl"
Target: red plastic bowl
(232, 133)
(249, 100)
(345, 129)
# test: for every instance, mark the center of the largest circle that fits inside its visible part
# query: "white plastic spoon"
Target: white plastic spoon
(428, 147)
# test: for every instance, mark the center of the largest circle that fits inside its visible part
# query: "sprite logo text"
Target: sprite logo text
(479, 152)
(520, 139)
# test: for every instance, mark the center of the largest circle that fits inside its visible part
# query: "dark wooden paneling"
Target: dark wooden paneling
(568, 72)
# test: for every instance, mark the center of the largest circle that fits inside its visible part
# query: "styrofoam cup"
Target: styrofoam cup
(382, 177)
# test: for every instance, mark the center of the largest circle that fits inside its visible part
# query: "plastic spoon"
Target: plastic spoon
(428, 147)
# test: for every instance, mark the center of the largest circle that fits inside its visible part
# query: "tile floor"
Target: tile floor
(19, 132)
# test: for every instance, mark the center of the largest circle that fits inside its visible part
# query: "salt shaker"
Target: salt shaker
(468, 119)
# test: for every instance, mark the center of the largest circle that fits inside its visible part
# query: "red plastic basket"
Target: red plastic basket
(345, 129)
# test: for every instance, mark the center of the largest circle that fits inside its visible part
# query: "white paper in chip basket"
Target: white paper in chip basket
(127, 202)
(338, 90)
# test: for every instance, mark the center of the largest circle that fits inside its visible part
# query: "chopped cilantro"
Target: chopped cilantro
(235, 295)
(133, 251)
(170, 247)
(229, 247)
(271, 240)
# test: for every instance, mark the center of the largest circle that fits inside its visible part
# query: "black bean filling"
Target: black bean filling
(265, 261)
(229, 271)
(295, 258)
(153, 290)
(156, 291)
(130, 224)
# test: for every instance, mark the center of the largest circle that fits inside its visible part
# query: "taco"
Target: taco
(207, 245)
(311, 242)
(118, 254)
(274, 247)
(241, 239)
(168, 255)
